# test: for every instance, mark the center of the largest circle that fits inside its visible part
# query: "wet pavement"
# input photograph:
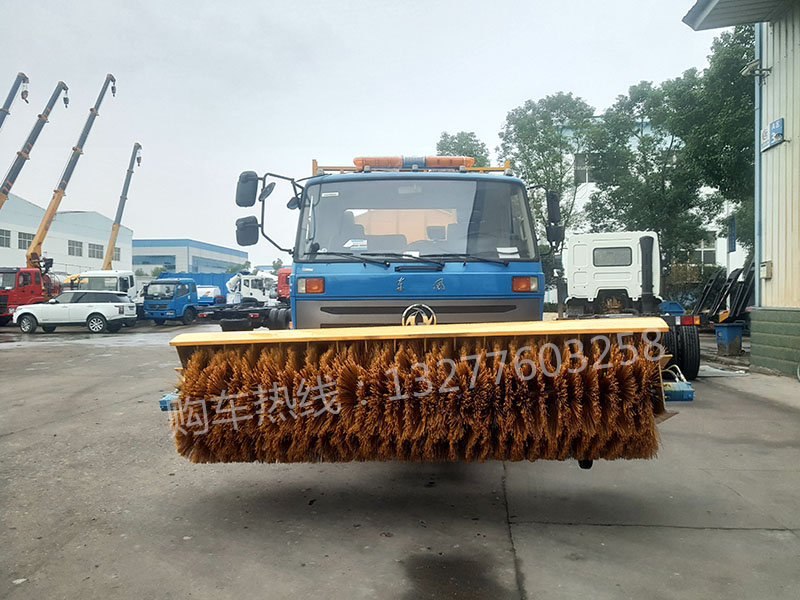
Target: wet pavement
(96, 503)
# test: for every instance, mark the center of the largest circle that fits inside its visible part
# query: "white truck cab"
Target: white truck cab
(111, 280)
(606, 272)
(257, 287)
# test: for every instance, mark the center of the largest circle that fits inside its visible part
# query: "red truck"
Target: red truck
(23, 285)
(282, 286)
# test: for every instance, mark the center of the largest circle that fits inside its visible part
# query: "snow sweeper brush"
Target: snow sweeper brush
(583, 389)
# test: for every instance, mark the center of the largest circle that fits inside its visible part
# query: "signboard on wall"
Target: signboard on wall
(772, 135)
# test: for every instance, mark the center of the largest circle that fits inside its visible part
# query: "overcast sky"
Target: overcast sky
(214, 88)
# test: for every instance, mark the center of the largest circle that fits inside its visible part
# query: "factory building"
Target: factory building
(184, 255)
(76, 241)
(775, 321)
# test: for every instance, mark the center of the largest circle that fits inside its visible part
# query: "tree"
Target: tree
(245, 266)
(712, 113)
(276, 264)
(139, 272)
(541, 139)
(645, 178)
(158, 270)
(463, 143)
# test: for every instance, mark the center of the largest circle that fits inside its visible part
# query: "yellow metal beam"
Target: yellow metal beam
(398, 332)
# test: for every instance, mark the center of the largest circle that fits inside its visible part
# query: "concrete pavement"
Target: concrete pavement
(97, 504)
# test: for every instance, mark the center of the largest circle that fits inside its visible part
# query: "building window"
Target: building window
(95, 250)
(583, 173)
(24, 240)
(116, 253)
(74, 248)
(706, 254)
(5, 238)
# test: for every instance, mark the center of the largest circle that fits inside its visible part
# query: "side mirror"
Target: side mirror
(293, 203)
(273, 294)
(266, 191)
(247, 231)
(553, 207)
(247, 189)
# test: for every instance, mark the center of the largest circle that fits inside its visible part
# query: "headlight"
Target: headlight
(525, 284)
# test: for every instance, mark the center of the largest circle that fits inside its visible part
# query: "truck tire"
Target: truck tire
(96, 324)
(27, 323)
(670, 342)
(114, 327)
(159, 321)
(272, 318)
(284, 316)
(688, 351)
(189, 315)
(48, 328)
(235, 325)
(4, 321)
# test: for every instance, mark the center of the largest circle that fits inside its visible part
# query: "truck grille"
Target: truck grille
(157, 307)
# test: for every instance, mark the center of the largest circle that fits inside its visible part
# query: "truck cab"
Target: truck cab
(608, 272)
(405, 243)
(109, 280)
(20, 286)
(170, 300)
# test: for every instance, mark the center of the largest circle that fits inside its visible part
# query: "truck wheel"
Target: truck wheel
(159, 321)
(284, 317)
(114, 327)
(96, 324)
(4, 321)
(235, 325)
(48, 328)
(670, 342)
(272, 318)
(189, 315)
(688, 351)
(27, 323)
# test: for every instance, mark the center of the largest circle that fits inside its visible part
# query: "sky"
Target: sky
(211, 89)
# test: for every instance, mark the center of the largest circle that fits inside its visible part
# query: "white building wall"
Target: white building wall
(780, 165)
(18, 215)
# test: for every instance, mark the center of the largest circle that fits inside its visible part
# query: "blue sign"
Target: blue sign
(772, 135)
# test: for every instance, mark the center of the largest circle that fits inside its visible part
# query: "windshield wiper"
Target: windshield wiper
(401, 255)
(445, 255)
(355, 257)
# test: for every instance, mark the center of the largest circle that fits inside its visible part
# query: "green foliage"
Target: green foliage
(157, 271)
(463, 143)
(276, 264)
(541, 138)
(645, 179)
(712, 113)
(139, 273)
(245, 266)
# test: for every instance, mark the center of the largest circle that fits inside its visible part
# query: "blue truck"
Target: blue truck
(403, 240)
(171, 300)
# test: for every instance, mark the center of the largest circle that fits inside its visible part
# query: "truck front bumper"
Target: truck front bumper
(160, 314)
(313, 314)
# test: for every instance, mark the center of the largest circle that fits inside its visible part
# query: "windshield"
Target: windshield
(416, 217)
(7, 280)
(159, 290)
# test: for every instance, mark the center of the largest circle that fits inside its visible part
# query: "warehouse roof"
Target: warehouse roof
(711, 14)
(184, 242)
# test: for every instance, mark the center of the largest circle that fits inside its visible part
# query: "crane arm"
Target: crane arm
(24, 153)
(136, 157)
(21, 80)
(34, 254)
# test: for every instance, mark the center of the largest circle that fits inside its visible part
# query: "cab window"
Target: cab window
(24, 279)
(123, 284)
(37, 278)
(183, 289)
